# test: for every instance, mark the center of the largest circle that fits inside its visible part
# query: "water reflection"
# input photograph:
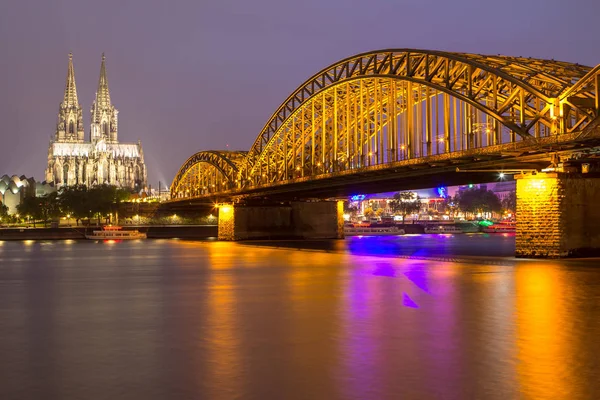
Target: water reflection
(549, 329)
(222, 332)
(216, 320)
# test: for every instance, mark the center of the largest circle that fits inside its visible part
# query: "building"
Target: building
(13, 189)
(505, 189)
(102, 159)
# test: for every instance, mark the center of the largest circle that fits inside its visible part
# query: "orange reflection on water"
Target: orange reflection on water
(223, 334)
(544, 324)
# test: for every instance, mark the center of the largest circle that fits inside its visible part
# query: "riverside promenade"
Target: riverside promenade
(153, 232)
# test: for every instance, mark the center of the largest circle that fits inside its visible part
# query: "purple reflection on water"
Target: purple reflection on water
(384, 269)
(359, 347)
(408, 302)
(433, 245)
(417, 275)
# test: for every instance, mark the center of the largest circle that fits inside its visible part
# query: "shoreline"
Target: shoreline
(70, 233)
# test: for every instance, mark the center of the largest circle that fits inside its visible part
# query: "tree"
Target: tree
(369, 212)
(41, 208)
(476, 201)
(379, 212)
(510, 202)
(3, 211)
(74, 200)
(350, 208)
(30, 207)
(405, 203)
(50, 206)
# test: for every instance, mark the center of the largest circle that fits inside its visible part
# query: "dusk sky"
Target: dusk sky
(190, 75)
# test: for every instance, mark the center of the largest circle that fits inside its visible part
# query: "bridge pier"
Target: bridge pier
(558, 215)
(290, 220)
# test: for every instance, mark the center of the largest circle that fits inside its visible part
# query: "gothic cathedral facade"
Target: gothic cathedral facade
(102, 160)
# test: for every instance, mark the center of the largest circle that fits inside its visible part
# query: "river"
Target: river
(411, 317)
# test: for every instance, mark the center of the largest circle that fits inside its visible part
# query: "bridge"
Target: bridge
(406, 119)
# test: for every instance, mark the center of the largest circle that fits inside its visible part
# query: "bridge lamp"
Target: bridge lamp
(370, 154)
(501, 175)
(403, 147)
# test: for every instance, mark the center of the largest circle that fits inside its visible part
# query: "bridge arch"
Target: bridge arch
(207, 172)
(378, 107)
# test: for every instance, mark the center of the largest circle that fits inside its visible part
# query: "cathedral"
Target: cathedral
(102, 159)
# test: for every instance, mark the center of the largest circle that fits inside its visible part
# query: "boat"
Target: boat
(501, 228)
(442, 229)
(373, 231)
(113, 232)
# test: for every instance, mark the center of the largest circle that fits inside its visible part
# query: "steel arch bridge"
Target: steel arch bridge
(399, 107)
(207, 172)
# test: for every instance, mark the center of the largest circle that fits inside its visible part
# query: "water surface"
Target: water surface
(168, 319)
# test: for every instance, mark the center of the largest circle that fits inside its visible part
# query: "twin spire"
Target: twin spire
(102, 93)
(103, 113)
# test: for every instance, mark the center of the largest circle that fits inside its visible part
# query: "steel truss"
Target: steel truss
(393, 105)
(207, 172)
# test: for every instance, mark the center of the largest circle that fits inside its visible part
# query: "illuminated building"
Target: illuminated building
(13, 189)
(102, 160)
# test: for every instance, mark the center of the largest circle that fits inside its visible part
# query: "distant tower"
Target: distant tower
(70, 118)
(104, 114)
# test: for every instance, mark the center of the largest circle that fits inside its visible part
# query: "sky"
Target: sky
(191, 75)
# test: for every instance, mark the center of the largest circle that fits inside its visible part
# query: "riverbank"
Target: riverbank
(153, 232)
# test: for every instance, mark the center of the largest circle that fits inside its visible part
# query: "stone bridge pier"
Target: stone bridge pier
(558, 214)
(289, 220)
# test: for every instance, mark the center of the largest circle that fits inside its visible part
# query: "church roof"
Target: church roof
(127, 150)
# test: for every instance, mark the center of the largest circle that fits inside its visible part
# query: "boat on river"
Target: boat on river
(113, 232)
(501, 228)
(373, 231)
(442, 229)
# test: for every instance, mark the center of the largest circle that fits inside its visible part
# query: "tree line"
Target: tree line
(78, 202)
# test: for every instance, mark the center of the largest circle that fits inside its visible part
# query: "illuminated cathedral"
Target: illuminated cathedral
(101, 159)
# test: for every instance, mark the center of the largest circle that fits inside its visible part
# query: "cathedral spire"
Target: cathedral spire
(70, 97)
(70, 118)
(104, 114)
(103, 94)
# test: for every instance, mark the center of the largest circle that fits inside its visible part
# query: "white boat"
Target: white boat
(373, 231)
(500, 228)
(113, 232)
(443, 229)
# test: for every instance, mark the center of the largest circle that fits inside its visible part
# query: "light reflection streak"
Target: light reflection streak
(312, 292)
(442, 350)
(223, 334)
(359, 347)
(544, 324)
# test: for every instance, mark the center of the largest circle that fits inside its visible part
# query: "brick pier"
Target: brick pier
(558, 215)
